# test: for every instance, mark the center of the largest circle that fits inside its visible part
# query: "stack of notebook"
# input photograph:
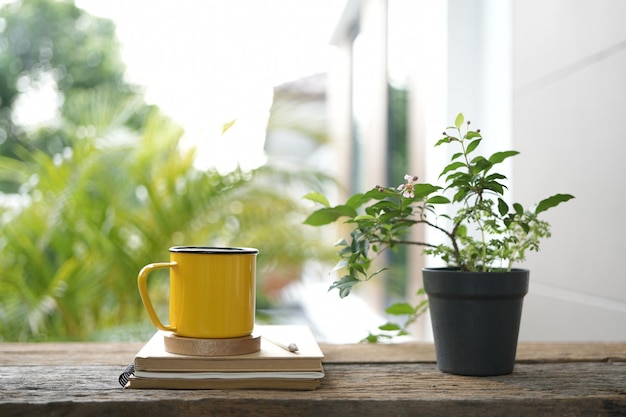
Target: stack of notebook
(273, 367)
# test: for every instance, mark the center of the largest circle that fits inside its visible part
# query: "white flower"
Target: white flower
(408, 188)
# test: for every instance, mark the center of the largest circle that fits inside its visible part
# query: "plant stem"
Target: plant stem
(412, 242)
(478, 189)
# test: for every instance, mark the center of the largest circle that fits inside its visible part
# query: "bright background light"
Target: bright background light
(206, 63)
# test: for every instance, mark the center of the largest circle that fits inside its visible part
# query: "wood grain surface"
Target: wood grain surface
(550, 379)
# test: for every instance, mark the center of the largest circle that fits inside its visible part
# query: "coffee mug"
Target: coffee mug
(212, 291)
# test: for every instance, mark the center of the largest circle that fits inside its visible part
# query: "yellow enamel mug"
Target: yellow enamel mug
(212, 291)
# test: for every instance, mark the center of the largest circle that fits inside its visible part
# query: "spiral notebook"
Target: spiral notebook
(273, 367)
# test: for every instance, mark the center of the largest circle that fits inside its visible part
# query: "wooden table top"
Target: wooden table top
(550, 379)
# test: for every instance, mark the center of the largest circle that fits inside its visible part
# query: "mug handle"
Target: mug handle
(142, 282)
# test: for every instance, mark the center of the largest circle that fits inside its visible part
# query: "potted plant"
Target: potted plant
(476, 301)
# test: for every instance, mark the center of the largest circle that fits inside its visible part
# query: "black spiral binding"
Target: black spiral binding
(130, 370)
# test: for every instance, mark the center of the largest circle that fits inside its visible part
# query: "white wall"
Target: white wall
(569, 102)
(548, 78)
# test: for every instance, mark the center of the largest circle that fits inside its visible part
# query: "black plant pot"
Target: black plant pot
(475, 318)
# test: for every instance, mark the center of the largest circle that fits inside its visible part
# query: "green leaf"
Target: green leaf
(389, 327)
(422, 190)
(518, 208)
(376, 193)
(382, 206)
(346, 250)
(553, 201)
(438, 199)
(472, 146)
(378, 272)
(443, 140)
(498, 157)
(451, 167)
(344, 285)
(481, 164)
(357, 200)
(329, 214)
(503, 207)
(341, 242)
(372, 338)
(494, 186)
(458, 122)
(472, 134)
(340, 265)
(317, 198)
(400, 309)
(460, 195)
(459, 177)
(456, 155)
(495, 176)
(364, 217)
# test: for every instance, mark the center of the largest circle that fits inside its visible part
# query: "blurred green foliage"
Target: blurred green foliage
(55, 45)
(95, 214)
(107, 189)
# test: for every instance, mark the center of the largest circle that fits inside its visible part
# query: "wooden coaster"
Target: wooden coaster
(212, 347)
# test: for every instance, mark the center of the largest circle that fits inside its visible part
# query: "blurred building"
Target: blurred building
(297, 132)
